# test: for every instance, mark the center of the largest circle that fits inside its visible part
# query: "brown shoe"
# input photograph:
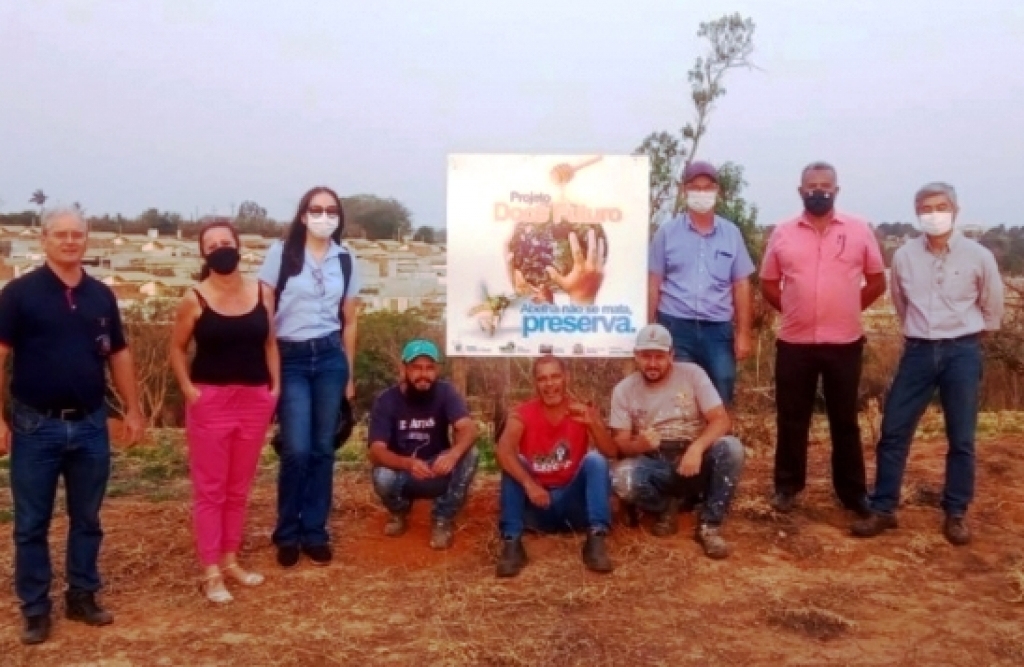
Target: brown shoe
(874, 525)
(442, 534)
(710, 538)
(397, 525)
(956, 531)
(595, 555)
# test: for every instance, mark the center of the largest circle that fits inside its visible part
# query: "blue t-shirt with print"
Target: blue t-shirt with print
(417, 428)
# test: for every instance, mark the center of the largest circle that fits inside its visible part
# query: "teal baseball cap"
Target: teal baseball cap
(420, 348)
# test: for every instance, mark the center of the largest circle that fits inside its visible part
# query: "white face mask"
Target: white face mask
(701, 202)
(321, 226)
(936, 223)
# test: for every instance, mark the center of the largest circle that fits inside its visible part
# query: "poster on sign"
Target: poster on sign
(546, 254)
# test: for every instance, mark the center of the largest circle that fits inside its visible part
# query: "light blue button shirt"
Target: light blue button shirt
(308, 307)
(698, 270)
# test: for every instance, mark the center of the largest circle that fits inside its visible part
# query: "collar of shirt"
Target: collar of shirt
(951, 244)
(59, 283)
(333, 252)
(688, 221)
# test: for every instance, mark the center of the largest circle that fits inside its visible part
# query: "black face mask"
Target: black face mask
(223, 260)
(819, 203)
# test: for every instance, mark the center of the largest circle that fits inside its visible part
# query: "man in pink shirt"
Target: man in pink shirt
(821, 269)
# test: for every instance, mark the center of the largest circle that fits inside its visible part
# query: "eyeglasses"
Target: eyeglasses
(318, 281)
(68, 236)
(320, 210)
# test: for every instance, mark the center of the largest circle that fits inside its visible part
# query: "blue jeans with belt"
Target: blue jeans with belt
(710, 345)
(313, 378)
(42, 450)
(954, 368)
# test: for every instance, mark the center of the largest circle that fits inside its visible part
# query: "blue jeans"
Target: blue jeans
(710, 346)
(42, 450)
(398, 488)
(584, 503)
(954, 368)
(651, 482)
(313, 378)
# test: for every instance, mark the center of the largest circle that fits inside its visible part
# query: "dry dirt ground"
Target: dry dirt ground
(797, 590)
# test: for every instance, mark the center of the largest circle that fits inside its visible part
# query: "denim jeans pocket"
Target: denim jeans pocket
(26, 422)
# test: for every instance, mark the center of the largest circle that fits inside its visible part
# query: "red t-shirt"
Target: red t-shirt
(553, 452)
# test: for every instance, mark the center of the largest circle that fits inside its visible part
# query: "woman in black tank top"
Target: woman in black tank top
(231, 390)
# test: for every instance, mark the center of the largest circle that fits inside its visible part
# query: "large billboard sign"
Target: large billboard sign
(546, 254)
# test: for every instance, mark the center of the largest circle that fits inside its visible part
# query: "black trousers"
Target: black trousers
(797, 369)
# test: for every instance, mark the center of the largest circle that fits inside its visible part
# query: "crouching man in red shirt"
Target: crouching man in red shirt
(551, 481)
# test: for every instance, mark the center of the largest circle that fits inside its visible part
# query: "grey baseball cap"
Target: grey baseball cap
(654, 337)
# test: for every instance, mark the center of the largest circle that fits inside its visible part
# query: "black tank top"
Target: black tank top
(230, 349)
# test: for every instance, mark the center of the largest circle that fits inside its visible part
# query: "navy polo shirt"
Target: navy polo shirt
(62, 338)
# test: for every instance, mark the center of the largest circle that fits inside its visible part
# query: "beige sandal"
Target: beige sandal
(243, 577)
(221, 596)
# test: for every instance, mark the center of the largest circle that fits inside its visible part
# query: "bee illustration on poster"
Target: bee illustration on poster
(546, 254)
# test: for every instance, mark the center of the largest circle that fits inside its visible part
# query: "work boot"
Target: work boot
(81, 606)
(319, 554)
(668, 521)
(442, 535)
(956, 531)
(288, 555)
(783, 503)
(397, 525)
(513, 557)
(37, 629)
(710, 537)
(595, 555)
(873, 525)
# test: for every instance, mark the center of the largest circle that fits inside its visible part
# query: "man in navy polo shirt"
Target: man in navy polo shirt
(411, 449)
(699, 283)
(64, 330)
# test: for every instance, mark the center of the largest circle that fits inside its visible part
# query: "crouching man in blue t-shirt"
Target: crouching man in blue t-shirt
(411, 449)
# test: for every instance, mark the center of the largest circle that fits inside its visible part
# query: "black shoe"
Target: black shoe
(81, 606)
(595, 555)
(287, 555)
(784, 503)
(873, 525)
(37, 629)
(956, 531)
(668, 521)
(320, 554)
(512, 559)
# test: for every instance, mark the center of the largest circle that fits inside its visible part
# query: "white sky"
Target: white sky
(192, 105)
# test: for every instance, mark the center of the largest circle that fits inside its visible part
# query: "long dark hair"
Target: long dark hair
(204, 272)
(294, 253)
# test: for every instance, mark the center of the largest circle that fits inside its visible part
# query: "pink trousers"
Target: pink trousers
(226, 430)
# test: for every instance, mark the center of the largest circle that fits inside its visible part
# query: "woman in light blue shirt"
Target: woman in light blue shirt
(316, 332)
